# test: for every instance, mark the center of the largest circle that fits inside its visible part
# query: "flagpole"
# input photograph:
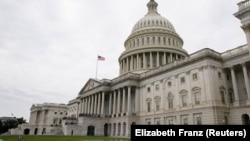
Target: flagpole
(96, 69)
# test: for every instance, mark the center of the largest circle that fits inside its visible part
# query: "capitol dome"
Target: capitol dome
(152, 43)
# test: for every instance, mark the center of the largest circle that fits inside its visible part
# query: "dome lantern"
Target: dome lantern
(152, 7)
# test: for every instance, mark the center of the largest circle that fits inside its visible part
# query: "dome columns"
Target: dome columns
(147, 60)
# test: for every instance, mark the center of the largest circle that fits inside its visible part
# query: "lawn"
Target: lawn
(61, 138)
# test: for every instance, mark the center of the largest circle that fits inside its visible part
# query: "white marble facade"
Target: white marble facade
(160, 83)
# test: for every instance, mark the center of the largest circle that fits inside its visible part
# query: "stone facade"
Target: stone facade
(45, 119)
(159, 83)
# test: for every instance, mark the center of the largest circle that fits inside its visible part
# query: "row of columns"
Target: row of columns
(119, 102)
(234, 82)
(147, 60)
(93, 104)
(119, 129)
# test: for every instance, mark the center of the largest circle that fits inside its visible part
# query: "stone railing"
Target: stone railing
(124, 77)
(235, 52)
(244, 4)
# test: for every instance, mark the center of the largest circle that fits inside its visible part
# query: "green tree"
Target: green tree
(21, 120)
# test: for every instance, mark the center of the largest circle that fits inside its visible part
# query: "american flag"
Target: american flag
(100, 58)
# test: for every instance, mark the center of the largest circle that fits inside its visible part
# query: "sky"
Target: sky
(49, 48)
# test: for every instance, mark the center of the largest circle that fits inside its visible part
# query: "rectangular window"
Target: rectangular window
(195, 76)
(231, 97)
(170, 103)
(222, 97)
(149, 106)
(219, 74)
(148, 90)
(157, 87)
(184, 100)
(197, 97)
(184, 119)
(157, 105)
(183, 80)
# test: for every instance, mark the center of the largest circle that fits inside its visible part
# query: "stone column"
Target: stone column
(88, 110)
(129, 100)
(144, 61)
(151, 60)
(131, 63)
(114, 103)
(164, 58)
(110, 103)
(157, 59)
(123, 100)
(137, 96)
(171, 57)
(121, 131)
(98, 103)
(138, 62)
(92, 104)
(102, 107)
(127, 65)
(80, 107)
(236, 95)
(246, 80)
(118, 102)
(95, 103)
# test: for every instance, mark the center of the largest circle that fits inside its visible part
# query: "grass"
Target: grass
(60, 138)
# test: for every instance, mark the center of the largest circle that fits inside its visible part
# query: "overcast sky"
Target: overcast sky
(49, 48)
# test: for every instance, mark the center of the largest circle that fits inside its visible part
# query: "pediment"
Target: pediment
(91, 83)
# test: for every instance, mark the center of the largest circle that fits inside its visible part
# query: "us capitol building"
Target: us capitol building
(159, 83)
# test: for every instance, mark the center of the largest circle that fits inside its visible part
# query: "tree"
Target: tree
(21, 120)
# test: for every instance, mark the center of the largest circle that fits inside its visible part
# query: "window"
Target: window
(148, 106)
(148, 121)
(231, 97)
(157, 103)
(157, 87)
(219, 74)
(184, 119)
(197, 98)
(170, 101)
(222, 96)
(169, 84)
(148, 90)
(169, 120)
(198, 118)
(184, 100)
(195, 76)
(183, 80)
